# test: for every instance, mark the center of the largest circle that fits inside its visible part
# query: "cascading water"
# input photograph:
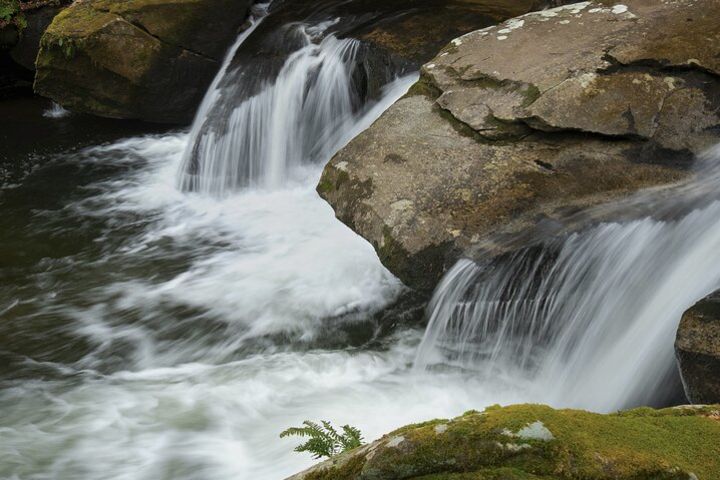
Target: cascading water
(588, 320)
(300, 117)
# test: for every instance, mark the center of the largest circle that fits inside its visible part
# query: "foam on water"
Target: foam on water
(217, 421)
(168, 387)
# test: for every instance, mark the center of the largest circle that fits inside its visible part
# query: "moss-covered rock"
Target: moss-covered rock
(537, 442)
(145, 59)
(513, 128)
(697, 347)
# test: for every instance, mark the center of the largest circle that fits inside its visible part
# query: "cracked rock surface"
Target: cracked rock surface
(141, 59)
(513, 126)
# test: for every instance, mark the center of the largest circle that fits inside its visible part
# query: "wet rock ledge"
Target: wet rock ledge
(536, 442)
(513, 127)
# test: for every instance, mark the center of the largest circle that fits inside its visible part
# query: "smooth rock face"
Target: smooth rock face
(561, 444)
(512, 127)
(697, 347)
(143, 59)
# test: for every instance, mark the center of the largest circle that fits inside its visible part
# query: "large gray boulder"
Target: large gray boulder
(697, 347)
(512, 127)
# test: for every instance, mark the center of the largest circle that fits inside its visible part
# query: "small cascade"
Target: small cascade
(588, 320)
(299, 116)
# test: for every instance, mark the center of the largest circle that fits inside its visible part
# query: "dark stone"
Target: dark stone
(697, 347)
(26, 50)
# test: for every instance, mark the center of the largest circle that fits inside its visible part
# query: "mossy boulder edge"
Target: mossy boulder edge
(538, 442)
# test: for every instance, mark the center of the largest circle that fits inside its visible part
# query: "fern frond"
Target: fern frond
(325, 440)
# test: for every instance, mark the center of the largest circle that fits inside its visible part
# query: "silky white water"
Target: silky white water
(198, 316)
(588, 320)
(300, 117)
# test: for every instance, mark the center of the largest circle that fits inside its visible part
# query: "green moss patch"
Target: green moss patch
(525, 442)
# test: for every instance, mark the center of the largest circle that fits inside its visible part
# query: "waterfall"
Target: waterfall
(589, 320)
(301, 116)
(213, 96)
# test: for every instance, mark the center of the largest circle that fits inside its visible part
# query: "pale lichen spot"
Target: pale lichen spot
(395, 441)
(536, 431)
(586, 79)
(441, 428)
(670, 82)
(553, 12)
(342, 166)
(515, 447)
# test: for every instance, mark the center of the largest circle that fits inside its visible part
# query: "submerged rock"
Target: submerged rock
(676, 443)
(697, 347)
(144, 59)
(512, 127)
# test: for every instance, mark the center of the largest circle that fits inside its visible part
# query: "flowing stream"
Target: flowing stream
(172, 301)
